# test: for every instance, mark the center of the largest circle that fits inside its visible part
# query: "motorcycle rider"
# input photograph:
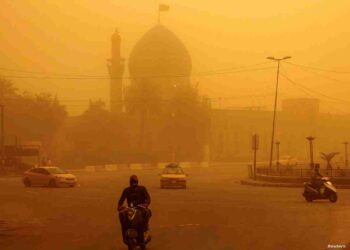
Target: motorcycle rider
(135, 195)
(316, 179)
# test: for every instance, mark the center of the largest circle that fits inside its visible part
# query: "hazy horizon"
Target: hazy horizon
(73, 37)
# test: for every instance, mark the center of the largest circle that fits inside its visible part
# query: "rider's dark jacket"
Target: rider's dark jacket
(135, 195)
(316, 179)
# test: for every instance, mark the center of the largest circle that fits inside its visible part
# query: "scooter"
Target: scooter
(134, 231)
(327, 191)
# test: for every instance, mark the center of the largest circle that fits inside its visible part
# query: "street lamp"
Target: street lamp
(278, 60)
(2, 139)
(311, 139)
(278, 153)
(173, 157)
(346, 154)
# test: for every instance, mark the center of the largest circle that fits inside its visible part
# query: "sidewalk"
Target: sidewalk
(276, 184)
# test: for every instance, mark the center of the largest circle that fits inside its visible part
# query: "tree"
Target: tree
(31, 117)
(97, 136)
(328, 158)
(143, 99)
(186, 123)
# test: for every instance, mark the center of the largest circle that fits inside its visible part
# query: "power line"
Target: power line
(318, 69)
(313, 91)
(106, 76)
(47, 73)
(210, 98)
(314, 95)
(209, 73)
(327, 77)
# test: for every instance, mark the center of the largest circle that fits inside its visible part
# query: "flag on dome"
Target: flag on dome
(163, 7)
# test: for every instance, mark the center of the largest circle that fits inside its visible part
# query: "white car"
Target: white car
(173, 177)
(48, 176)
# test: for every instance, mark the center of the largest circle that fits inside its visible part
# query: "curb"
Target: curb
(288, 185)
(270, 184)
(136, 166)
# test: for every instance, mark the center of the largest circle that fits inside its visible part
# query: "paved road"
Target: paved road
(215, 212)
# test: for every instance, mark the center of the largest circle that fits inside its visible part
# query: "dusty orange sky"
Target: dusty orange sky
(72, 37)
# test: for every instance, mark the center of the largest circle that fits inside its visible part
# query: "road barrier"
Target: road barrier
(297, 175)
(141, 166)
(301, 172)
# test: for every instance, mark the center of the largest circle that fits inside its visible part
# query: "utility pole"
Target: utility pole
(311, 139)
(278, 60)
(173, 147)
(346, 154)
(255, 147)
(278, 154)
(2, 107)
(2, 140)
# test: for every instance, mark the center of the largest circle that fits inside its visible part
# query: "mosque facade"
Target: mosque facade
(160, 67)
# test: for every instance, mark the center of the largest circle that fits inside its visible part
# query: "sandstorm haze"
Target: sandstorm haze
(73, 37)
(182, 94)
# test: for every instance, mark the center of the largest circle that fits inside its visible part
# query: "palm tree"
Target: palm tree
(328, 158)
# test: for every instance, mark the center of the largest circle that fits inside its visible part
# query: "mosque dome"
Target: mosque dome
(159, 52)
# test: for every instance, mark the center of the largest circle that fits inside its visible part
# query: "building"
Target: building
(232, 130)
(160, 101)
(115, 67)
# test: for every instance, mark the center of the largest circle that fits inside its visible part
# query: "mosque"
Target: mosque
(159, 97)
(160, 60)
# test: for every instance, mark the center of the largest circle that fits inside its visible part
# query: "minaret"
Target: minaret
(116, 70)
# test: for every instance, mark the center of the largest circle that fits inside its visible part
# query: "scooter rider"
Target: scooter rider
(135, 195)
(316, 179)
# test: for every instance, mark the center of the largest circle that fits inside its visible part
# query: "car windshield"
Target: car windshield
(55, 171)
(173, 171)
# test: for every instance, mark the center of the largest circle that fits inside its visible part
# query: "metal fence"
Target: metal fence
(301, 172)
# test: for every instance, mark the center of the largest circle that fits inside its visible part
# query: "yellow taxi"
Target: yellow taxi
(173, 176)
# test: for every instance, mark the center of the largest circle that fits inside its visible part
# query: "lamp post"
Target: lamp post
(278, 154)
(2, 139)
(346, 154)
(278, 60)
(173, 157)
(311, 139)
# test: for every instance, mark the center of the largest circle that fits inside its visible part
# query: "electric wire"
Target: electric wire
(313, 91)
(318, 69)
(44, 75)
(326, 77)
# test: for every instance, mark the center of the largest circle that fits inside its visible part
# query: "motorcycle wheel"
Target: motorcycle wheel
(333, 197)
(308, 198)
(131, 247)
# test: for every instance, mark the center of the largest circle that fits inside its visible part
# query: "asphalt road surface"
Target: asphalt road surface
(215, 212)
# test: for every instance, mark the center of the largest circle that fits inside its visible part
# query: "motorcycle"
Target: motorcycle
(135, 235)
(327, 191)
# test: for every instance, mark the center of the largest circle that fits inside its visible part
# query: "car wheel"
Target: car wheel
(52, 183)
(27, 182)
